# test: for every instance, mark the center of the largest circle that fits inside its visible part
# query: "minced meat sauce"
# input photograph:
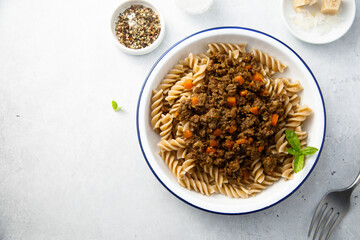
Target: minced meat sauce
(233, 118)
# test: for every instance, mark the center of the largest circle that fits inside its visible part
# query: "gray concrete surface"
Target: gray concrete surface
(71, 168)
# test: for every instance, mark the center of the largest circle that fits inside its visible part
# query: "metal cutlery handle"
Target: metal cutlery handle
(355, 183)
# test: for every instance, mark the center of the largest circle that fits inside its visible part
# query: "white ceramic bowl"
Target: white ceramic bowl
(346, 16)
(142, 51)
(297, 69)
(194, 7)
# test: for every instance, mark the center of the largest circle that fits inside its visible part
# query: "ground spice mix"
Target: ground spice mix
(137, 27)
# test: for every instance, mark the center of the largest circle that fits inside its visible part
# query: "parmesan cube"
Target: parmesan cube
(298, 4)
(330, 6)
(312, 2)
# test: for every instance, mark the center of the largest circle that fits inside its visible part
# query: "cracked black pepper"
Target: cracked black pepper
(137, 27)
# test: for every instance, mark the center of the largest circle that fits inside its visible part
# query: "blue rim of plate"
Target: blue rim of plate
(213, 29)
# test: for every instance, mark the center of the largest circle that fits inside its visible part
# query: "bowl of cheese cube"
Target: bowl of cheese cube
(318, 21)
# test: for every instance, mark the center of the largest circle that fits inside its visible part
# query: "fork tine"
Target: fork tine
(325, 212)
(336, 222)
(319, 207)
(327, 222)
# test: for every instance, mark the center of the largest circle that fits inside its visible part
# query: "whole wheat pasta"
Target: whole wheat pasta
(211, 150)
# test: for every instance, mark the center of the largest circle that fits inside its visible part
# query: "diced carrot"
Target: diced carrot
(188, 84)
(217, 132)
(252, 83)
(194, 101)
(214, 143)
(232, 129)
(260, 148)
(250, 140)
(274, 119)
(187, 133)
(254, 110)
(258, 77)
(241, 141)
(247, 67)
(231, 101)
(239, 79)
(243, 93)
(229, 144)
(176, 114)
(210, 150)
(246, 174)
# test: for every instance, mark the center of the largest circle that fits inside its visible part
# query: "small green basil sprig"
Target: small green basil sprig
(296, 150)
(115, 106)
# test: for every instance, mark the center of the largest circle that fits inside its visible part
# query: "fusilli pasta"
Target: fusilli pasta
(166, 103)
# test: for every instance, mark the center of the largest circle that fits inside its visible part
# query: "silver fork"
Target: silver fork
(331, 210)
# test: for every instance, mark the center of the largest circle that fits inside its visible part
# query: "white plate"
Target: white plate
(197, 43)
(345, 16)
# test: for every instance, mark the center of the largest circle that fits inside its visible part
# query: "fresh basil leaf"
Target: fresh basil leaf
(292, 151)
(299, 163)
(309, 150)
(293, 139)
(114, 105)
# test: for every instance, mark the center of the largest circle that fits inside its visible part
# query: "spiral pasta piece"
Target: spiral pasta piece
(258, 187)
(188, 165)
(166, 127)
(257, 171)
(233, 191)
(288, 168)
(266, 71)
(234, 54)
(172, 144)
(281, 144)
(288, 106)
(175, 108)
(268, 61)
(192, 182)
(214, 173)
(191, 61)
(183, 126)
(226, 47)
(173, 164)
(204, 59)
(156, 108)
(199, 74)
(177, 89)
(290, 87)
(301, 113)
(279, 86)
(268, 85)
(173, 76)
(202, 176)
(290, 103)
(302, 135)
(181, 153)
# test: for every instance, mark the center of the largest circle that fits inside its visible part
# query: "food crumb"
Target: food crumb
(17, 115)
(332, 173)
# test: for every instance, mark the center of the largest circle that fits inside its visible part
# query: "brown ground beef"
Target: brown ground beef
(245, 135)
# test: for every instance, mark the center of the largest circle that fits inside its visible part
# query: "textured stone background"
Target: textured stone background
(71, 168)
